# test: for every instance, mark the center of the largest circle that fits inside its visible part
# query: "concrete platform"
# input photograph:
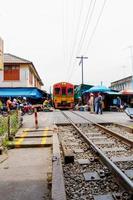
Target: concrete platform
(26, 139)
(56, 117)
(33, 142)
(34, 133)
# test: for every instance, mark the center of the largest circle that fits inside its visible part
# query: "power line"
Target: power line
(97, 22)
(87, 21)
(94, 30)
(86, 25)
(63, 30)
(76, 31)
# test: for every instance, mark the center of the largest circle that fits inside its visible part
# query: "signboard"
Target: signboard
(1, 55)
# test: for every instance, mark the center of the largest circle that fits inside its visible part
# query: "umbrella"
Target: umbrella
(98, 88)
(126, 91)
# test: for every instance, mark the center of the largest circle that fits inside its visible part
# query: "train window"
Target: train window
(70, 91)
(63, 91)
(57, 90)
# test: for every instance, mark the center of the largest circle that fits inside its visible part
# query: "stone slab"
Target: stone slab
(122, 159)
(129, 173)
(91, 176)
(78, 150)
(73, 144)
(83, 161)
(113, 149)
(103, 197)
(93, 134)
(71, 138)
(104, 142)
(97, 138)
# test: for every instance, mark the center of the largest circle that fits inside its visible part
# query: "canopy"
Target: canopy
(126, 92)
(79, 90)
(97, 89)
(30, 92)
(112, 92)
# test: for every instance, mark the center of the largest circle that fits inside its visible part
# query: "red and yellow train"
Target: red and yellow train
(63, 95)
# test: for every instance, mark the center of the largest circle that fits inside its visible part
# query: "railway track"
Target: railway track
(103, 162)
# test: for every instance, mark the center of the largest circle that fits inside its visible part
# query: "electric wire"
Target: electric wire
(94, 30)
(84, 31)
(86, 25)
(63, 31)
(76, 35)
(96, 25)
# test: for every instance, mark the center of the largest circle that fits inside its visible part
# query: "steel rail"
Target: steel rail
(125, 181)
(115, 134)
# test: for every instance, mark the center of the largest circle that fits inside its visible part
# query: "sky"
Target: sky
(52, 33)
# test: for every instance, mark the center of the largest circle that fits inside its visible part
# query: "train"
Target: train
(63, 95)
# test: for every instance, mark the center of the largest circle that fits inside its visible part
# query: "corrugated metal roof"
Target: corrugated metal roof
(9, 58)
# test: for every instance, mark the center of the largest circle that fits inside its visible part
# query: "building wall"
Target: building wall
(122, 84)
(26, 74)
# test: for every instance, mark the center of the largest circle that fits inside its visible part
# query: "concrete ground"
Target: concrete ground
(49, 118)
(23, 176)
(23, 171)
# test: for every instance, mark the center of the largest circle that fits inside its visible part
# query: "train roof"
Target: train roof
(62, 83)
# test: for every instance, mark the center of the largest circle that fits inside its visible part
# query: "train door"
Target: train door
(63, 91)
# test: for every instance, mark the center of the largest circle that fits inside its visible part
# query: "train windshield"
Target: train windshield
(70, 91)
(57, 90)
(63, 91)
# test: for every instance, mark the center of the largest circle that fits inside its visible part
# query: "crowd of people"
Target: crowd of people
(19, 103)
(6, 105)
(96, 104)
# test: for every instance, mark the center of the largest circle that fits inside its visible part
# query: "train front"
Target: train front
(63, 95)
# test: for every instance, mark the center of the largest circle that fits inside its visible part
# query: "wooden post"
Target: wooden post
(36, 118)
(8, 125)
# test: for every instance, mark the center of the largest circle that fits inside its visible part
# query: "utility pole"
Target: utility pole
(81, 62)
(131, 54)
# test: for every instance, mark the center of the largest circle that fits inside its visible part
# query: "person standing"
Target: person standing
(99, 104)
(1, 106)
(8, 104)
(91, 103)
(118, 103)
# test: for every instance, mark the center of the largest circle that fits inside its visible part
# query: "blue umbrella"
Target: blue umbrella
(98, 88)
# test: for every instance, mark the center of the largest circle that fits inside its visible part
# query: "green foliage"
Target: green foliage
(7, 143)
(3, 125)
(14, 123)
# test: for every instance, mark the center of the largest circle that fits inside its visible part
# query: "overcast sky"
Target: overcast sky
(51, 33)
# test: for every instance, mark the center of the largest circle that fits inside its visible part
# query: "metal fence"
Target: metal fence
(10, 123)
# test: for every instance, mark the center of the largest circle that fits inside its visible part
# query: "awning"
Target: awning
(30, 92)
(112, 93)
(97, 88)
(126, 92)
